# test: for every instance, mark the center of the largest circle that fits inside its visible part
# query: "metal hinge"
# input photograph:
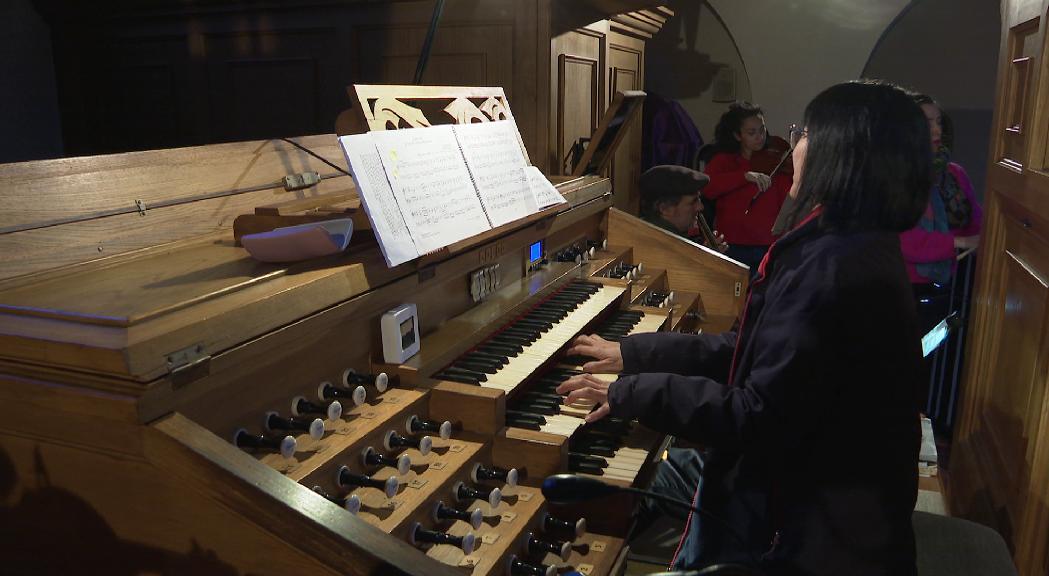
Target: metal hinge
(739, 288)
(188, 365)
(140, 205)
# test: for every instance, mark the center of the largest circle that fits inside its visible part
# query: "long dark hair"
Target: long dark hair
(731, 123)
(868, 160)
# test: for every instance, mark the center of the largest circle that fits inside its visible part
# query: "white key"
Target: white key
(535, 354)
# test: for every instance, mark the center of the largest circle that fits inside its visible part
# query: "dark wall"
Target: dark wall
(28, 101)
(949, 50)
(148, 74)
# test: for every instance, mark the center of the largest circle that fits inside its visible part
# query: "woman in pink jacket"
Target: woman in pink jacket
(951, 221)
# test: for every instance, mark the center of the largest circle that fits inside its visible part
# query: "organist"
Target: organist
(824, 368)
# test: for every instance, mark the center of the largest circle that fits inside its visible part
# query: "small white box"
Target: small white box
(400, 334)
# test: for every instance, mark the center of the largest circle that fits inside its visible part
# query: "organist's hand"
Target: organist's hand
(608, 357)
(587, 387)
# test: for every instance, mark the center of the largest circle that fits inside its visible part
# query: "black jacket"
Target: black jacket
(814, 441)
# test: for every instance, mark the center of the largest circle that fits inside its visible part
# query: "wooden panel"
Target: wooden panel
(103, 473)
(577, 91)
(1033, 543)
(538, 454)
(478, 409)
(271, 83)
(187, 533)
(626, 72)
(1006, 416)
(149, 72)
(720, 280)
(463, 54)
(995, 449)
(1013, 135)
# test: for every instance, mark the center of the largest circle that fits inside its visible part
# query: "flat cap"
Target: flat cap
(669, 182)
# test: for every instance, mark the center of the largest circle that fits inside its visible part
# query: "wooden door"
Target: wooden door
(626, 57)
(577, 90)
(1000, 458)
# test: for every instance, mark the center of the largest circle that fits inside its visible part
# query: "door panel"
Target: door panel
(625, 59)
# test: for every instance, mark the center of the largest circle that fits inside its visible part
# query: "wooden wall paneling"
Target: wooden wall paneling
(986, 311)
(147, 78)
(464, 54)
(271, 83)
(577, 90)
(998, 463)
(1023, 50)
(1033, 548)
(495, 43)
(1017, 369)
(207, 73)
(626, 60)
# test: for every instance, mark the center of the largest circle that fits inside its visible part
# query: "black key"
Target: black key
(587, 458)
(536, 324)
(585, 468)
(477, 366)
(518, 423)
(544, 396)
(486, 356)
(521, 415)
(499, 349)
(456, 378)
(538, 406)
(479, 376)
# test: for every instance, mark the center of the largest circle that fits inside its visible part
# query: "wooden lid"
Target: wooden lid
(141, 315)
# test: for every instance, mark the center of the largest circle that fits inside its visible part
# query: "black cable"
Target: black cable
(431, 32)
(728, 527)
(315, 155)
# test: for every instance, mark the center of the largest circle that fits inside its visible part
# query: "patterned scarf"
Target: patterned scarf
(950, 209)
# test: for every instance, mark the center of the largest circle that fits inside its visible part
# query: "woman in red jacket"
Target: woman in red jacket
(747, 202)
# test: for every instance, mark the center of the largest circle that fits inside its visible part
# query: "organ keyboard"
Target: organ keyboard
(193, 405)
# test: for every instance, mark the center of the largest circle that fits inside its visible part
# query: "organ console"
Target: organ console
(166, 375)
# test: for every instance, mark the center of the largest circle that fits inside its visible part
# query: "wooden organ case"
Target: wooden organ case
(127, 380)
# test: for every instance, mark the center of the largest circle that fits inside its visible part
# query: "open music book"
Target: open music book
(426, 188)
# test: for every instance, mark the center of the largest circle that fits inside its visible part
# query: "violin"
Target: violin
(774, 158)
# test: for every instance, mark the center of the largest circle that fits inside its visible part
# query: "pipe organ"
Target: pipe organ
(180, 407)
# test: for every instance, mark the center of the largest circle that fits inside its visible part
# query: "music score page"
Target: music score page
(496, 163)
(432, 185)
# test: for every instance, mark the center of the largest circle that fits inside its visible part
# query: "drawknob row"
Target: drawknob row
(531, 545)
(625, 271)
(302, 408)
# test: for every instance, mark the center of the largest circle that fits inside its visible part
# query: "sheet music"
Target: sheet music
(545, 192)
(432, 185)
(493, 155)
(378, 199)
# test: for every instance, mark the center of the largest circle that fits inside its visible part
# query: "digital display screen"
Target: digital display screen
(535, 251)
(407, 333)
(934, 338)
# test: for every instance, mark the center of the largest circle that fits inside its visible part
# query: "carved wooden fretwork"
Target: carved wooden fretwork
(377, 107)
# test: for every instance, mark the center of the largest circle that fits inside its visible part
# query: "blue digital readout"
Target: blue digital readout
(535, 251)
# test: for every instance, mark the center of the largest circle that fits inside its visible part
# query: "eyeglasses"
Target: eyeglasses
(796, 134)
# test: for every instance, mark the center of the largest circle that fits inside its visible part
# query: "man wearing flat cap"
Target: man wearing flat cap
(670, 197)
